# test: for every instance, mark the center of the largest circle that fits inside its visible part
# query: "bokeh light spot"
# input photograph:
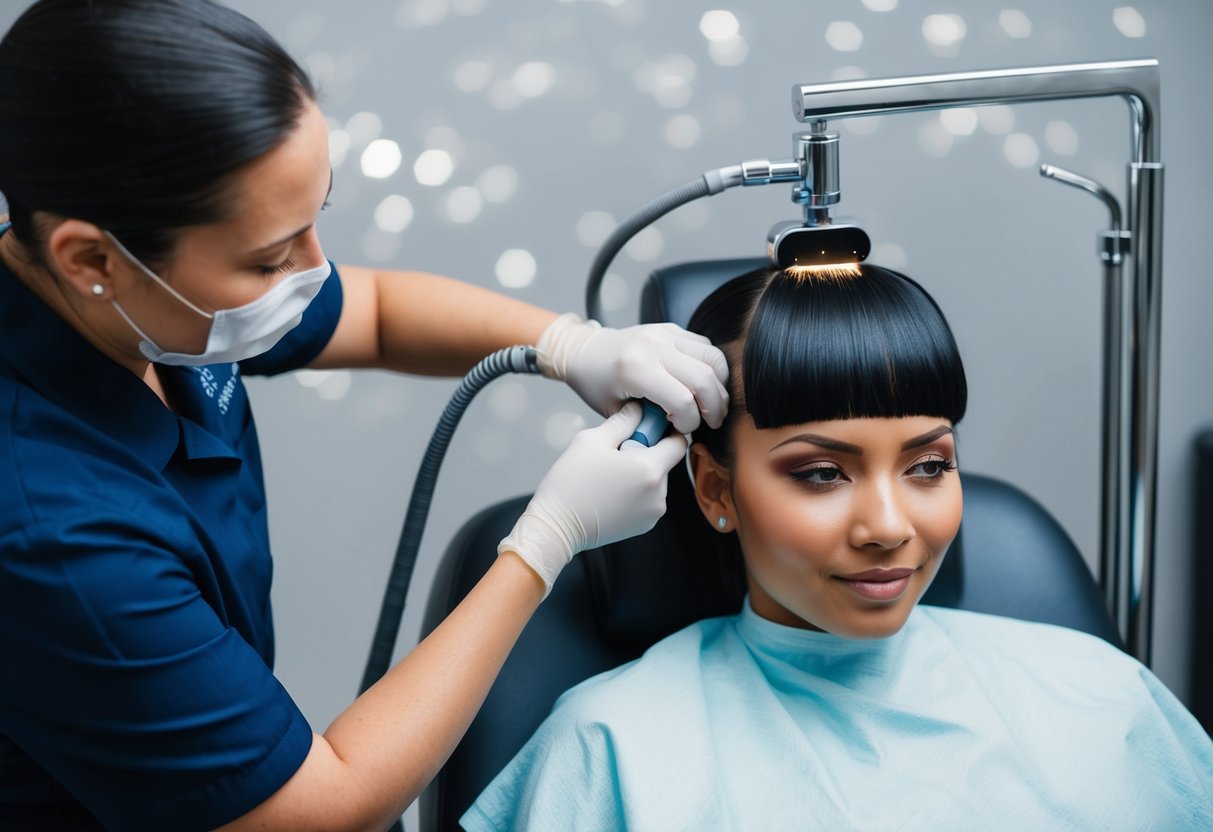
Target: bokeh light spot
(1020, 150)
(1015, 23)
(997, 119)
(844, 36)
(498, 183)
(394, 213)
(534, 78)
(464, 204)
(719, 25)
(515, 268)
(381, 159)
(433, 167)
(959, 121)
(1061, 137)
(1129, 21)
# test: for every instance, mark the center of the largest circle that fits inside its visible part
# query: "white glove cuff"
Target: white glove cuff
(561, 342)
(541, 545)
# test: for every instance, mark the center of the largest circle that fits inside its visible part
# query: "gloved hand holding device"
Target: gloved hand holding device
(678, 370)
(594, 494)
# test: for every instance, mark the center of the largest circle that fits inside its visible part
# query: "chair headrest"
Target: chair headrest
(675, 292)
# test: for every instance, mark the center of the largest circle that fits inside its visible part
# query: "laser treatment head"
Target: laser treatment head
(822, 250)
(817, 247)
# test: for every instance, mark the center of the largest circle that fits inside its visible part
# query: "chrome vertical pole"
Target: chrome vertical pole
(1114, 552)
(1141, 432)
(1113, 538)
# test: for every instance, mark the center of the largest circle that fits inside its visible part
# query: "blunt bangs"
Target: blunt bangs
(876, 346)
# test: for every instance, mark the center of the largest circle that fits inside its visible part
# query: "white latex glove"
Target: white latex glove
(678, 370)
(594, 494)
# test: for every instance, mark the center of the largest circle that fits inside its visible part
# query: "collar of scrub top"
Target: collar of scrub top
(45, 352)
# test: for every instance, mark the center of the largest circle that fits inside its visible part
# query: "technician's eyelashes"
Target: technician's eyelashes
(271, 271)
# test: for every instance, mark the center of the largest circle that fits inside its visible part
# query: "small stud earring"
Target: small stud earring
(722, 521)
(98, 290)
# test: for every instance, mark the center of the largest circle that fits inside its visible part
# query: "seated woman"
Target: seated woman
(832, 701)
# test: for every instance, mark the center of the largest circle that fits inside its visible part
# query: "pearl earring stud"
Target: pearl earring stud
(98, 290)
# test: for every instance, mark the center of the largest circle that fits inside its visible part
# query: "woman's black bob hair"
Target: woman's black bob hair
(825, 347)
(131, 114)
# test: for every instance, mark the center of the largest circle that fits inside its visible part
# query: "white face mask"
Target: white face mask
(240, 333)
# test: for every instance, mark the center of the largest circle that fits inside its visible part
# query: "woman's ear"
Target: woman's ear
(712, 489)
(83, 257)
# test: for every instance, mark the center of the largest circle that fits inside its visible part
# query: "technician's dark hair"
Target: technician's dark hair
(818, 348)
(130, 114)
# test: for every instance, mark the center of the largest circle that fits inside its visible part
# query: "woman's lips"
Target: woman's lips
(878, 584)
(877, 575)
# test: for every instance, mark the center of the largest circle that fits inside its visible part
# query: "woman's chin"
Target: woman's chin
(870, 628)
(865, 621)
(853, 621)
(861, 613)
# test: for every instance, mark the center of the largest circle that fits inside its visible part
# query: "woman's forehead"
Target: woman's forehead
(281, 191)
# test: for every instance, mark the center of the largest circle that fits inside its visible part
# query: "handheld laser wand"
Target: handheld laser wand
(653, 425)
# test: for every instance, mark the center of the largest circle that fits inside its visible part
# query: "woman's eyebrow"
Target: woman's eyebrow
(823, 442)
(855, 450)
(929, 436)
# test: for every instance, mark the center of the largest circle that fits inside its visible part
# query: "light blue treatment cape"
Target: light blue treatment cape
(960, 721)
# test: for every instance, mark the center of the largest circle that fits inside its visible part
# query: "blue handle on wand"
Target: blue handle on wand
(653, 425)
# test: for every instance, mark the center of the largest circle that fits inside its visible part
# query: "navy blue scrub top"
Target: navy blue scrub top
(136, 641)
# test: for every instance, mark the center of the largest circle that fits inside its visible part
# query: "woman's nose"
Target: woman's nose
(880, 518)
(311, 254)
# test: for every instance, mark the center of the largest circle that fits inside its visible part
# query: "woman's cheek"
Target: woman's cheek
(938, 515)
(799, 535)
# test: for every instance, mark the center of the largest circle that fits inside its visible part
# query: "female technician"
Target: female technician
(164, 162)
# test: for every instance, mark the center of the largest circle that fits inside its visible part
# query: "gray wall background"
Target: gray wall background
(560, 118)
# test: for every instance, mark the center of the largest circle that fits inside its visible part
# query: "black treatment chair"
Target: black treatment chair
(1010, 558)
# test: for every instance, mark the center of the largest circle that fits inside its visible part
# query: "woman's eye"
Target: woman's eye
(932, 469)
(270, 271)
(819, 475)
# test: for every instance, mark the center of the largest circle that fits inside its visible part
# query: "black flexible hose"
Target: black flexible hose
(629, 228)
(509, 360)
